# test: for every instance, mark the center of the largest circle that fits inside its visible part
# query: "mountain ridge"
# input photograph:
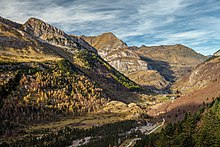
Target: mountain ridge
(50, 76)
(198, 88)
(168, 68)
(54, 35)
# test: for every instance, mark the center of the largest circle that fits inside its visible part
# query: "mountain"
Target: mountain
(55, 36)
(205, 74)
(154, 67)
(200, 87)
(18, 45)
(172, 61)
(47, 75)
(57, 90)
(118, 54)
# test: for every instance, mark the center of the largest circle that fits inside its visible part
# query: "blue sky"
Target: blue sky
(194, 23)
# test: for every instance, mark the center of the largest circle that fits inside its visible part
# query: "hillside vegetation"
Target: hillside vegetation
(47, 76)
(201, 129)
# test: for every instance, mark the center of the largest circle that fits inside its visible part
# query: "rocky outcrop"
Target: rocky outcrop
(55, 36)
(18, 45)
(116, 52)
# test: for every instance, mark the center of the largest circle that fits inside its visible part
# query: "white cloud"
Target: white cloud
(187, 35)
(165, 21)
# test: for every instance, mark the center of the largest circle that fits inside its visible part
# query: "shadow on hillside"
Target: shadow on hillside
(155, 90)
(178, 114)
(162, 67)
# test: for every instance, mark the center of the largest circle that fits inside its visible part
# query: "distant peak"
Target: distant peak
(108, 34)
(39, 27)
(143, 46)
(180, 45)
(35, 21)
(34, 18)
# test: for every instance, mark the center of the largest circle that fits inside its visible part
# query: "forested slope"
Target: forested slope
(201, 129)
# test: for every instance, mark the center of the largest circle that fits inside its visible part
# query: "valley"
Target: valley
(66, 90)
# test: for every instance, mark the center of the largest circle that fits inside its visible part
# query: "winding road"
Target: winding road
(156, 127)
(133, 141)
(147, 133)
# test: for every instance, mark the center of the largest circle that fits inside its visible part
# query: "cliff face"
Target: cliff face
(116, 53)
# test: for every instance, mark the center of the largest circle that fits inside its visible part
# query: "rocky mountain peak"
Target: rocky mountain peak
(110, 40)
(38, 28)
(109, 34)
(105, 43)
(116, 52)
(55, 36)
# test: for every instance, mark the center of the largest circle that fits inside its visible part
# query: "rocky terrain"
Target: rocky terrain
(18, 45)
(200, 87)
(116, 53)
(54, 36)
(155, 67)
(204, 75)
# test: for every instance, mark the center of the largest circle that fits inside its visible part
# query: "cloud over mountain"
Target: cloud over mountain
(150, 22)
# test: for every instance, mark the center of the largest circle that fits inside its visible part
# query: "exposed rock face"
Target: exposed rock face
(202, 76)
(217, 53)
(172, 61)
(166, 63)
(55, 36)
(118, 54)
